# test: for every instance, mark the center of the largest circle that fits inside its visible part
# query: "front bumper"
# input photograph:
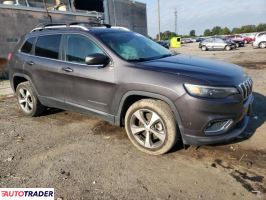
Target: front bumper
(199, 113)
(230, 135)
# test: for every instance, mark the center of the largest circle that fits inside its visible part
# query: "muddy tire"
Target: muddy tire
(204, 48)
(227, 48)
(27, 100)
(151, 126)
(262, 45)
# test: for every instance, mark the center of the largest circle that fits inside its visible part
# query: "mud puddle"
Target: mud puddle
(107, 130)
(246, 167)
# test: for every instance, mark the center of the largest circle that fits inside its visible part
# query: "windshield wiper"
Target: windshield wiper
(166, 55)
(152, 58)
(139, 60)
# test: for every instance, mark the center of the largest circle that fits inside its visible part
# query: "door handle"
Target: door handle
(30, 62)
(67, 69)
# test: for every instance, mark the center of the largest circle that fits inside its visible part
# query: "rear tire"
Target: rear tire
(151, 126)
(27, 100)
(204, 48)
(262, 45)
(227, 48)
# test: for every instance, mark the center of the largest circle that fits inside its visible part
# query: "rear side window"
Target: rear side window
(27, 46)
(48, 46)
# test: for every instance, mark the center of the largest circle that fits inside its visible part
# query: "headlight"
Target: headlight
(210, 92)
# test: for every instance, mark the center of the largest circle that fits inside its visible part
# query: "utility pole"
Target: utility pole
(114, 13)
(159, 20)
(175, 21)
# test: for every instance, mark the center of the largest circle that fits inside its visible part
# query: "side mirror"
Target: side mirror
(97, 59)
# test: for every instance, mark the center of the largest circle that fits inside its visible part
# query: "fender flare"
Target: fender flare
(22, 76)
(149, 95)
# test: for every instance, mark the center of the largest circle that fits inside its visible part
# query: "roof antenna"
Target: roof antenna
(48, 14)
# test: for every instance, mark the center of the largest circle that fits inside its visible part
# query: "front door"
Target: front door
(87, 87)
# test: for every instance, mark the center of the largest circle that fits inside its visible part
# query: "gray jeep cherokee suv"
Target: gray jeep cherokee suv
(130, 81)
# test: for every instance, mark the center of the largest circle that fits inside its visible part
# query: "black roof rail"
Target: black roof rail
(81, 25)
(91, 24)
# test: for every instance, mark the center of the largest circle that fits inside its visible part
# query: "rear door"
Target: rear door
(88, 87)
(44, 67)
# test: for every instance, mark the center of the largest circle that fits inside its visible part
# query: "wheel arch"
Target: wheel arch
(19, 78)
(131, 97)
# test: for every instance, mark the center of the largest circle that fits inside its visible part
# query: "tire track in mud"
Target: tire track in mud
(246, 167)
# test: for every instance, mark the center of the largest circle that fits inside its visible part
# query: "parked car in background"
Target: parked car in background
(164, 43)
(199, 39)
(186, 40)
(260, 40)
(251, 36)
(216, 43)
(246, 40)
(237, 43)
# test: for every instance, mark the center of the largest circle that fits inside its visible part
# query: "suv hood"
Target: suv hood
(212, 71)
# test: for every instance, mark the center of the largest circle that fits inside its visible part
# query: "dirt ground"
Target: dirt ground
(83, 157)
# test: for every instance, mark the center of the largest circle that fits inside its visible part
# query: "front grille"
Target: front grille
(245, 88)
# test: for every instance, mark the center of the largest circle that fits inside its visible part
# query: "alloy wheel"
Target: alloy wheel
(25, 100)
(263, 45)
(148, 128)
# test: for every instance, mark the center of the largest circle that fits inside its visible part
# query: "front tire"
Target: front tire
(227, 48)
(204, 48)
(27, 100)
(262, 45)
(151, 126)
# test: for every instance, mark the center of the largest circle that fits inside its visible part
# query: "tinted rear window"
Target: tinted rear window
(27, 46)
(48, 46)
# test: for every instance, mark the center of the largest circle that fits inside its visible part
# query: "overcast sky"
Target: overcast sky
(202, 14)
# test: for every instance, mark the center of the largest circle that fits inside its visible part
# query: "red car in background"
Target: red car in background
(245, 39)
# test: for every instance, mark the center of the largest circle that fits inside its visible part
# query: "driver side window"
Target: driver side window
(78, 47)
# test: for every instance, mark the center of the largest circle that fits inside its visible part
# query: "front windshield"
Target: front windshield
(133, 47)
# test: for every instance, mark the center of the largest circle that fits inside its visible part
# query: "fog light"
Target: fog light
(218, 127)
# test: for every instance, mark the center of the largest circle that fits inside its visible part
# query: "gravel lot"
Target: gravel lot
(83, 157)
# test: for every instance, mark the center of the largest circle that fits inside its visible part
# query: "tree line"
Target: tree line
(217, 30)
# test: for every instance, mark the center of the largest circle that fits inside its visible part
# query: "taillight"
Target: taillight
(9, 56)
